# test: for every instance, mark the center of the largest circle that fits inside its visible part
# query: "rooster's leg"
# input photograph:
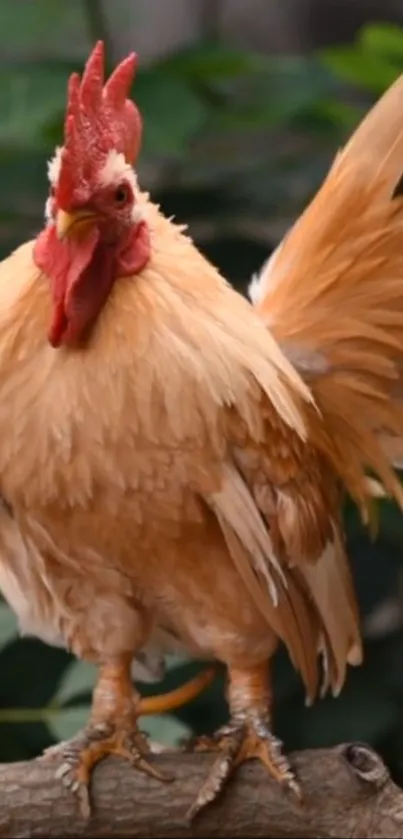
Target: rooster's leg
(248, 735)
(111, 730)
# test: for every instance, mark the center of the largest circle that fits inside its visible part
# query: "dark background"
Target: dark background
(245, 104)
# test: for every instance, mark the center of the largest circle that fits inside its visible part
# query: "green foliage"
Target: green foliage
(373, 62)
(239, 138)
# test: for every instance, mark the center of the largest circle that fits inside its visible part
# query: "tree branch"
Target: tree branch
(347, 792)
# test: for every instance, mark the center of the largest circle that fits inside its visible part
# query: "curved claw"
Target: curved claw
(81, 754)
(243, 739)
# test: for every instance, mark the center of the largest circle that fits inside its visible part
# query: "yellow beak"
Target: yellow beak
(74, 224)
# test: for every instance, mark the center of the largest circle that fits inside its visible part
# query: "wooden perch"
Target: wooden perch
(347, 792)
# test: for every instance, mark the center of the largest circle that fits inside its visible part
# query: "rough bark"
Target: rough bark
(347, 792)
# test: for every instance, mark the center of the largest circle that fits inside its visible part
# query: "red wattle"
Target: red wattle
(134, 252)
(64, 262)
(58, 325)
(81, 273)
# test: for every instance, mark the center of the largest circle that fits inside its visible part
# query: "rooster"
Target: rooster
(173, 460)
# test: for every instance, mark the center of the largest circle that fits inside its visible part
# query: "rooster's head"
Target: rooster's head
(95, 231)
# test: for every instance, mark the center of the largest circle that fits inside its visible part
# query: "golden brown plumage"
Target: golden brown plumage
(169, 478)
(331, 296)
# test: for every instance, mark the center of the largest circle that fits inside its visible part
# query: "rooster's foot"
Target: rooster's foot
(244, 738)
(80, 755)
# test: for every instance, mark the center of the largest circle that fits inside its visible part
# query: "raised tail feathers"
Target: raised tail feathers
(332, 296)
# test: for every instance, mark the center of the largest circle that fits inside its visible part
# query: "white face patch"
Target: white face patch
(48, 211)
(116, 170)
(54, 165)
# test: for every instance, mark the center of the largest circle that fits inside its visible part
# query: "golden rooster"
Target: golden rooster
(169, 477)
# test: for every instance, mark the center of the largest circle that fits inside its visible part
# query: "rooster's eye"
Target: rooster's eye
(52, 191)
(122, 194)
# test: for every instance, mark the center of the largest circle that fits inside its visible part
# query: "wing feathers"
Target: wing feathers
(310, 605)
(284, 605)
(235, 505)
(330, 584)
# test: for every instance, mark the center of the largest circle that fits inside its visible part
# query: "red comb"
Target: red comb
(98, 118)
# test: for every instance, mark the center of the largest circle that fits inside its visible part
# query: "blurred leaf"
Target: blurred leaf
(31, 24)
(33, 665)
(325, 116)
(8, 624)
(364, 711)
(67, 722)
(79, 677)
(14, 745)
(166, 729)
(35, 736)
(368, 70)
(373, 61)
(383, 38)
(297, 92)
(24, 184)
(29, 98)
(172, 113)
(284, 89)
(213, 62)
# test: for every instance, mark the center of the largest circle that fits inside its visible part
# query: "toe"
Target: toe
(269, 751)
(228, 744)
(80, 755)
(134, 748)
(72, 778)
(203, 744)
(236, 744)
(213, 785)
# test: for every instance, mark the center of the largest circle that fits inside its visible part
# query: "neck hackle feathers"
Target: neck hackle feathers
(99, 118)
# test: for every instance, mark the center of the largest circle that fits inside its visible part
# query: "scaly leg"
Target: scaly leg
(248, 735)
(111, 730)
